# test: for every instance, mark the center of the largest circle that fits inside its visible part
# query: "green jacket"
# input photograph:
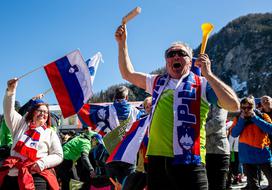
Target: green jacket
(5, 135)
(73, 149)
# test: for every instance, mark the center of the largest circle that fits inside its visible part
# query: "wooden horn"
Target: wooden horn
(131, 15)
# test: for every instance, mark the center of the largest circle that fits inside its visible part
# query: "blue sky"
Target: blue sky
(34, 33)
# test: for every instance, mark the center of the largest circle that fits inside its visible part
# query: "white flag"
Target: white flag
(93, 64)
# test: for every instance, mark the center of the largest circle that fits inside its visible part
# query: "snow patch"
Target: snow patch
(237, 85)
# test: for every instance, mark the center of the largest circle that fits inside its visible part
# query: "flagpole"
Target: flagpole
(30, 72)
(47, 91)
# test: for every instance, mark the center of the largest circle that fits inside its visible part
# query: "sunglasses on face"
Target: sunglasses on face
(180, 53)
(246, 107)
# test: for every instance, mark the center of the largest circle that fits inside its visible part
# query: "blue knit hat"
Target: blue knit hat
(37, 101)
(34, 103)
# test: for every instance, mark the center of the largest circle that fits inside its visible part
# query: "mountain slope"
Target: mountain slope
(242, 54)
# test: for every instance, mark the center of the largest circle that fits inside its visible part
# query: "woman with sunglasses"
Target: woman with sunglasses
(36, 147)
(254, 152)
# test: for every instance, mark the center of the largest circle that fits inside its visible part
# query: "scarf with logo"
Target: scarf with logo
(27, 145)
(186, 108)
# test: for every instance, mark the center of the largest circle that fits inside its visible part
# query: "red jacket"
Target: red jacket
(25, 178)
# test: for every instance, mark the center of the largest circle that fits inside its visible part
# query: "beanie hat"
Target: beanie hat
(36, 101)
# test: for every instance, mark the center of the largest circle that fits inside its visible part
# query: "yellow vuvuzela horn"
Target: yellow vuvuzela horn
(206, 30)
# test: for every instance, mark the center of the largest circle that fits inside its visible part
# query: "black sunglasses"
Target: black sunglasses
(180, 53)
(246, 107)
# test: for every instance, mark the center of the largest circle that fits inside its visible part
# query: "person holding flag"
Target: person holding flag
(5, 134)
(125, 115)
(176, 147)
(36, 148)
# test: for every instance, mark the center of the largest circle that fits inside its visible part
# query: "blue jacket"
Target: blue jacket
(253, 141)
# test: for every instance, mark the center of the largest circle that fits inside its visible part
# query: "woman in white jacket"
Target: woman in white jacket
(36, 147)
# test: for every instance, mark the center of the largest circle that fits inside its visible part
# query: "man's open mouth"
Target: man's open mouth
(176, 65)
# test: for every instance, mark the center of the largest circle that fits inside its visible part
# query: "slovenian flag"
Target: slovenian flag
(128, 148)
(93, 64)
(70, 79)
(96, 117)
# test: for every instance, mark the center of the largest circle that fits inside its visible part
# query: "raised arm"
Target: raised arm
(12, 117)
(22, 111)
(125, 66)
(264, 124)
(226, 96)
(238, 127)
